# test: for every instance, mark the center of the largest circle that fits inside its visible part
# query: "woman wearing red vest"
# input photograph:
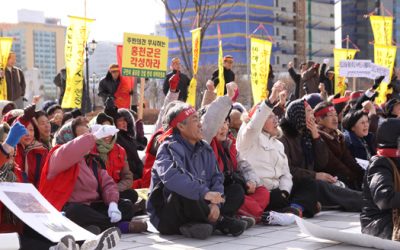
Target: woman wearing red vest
(114, 158)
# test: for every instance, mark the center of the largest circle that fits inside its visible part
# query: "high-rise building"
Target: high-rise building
(301, 30)
(38, 43)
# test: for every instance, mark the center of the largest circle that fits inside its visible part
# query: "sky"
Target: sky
(113, 17)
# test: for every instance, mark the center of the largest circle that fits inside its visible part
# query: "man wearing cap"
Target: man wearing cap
(109, 84)
(178, 79)
(229, 76)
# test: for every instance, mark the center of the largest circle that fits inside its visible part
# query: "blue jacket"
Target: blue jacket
(190, 171)
(356, 147)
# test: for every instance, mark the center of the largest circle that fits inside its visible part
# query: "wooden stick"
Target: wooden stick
(141, 100)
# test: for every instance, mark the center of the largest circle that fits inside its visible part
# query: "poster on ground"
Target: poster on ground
(144, 56)
(25, 201)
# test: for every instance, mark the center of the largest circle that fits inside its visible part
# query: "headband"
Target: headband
(324, 111)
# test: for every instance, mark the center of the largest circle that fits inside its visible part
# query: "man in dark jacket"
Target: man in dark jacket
(327, 77)
(15, 82)
(184, 81)
(229, 76)
(109, 84)
(379, 193)
(296, 77)
(60, 81)
(187, 188)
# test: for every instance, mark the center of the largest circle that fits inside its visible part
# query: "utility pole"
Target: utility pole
(309, 30)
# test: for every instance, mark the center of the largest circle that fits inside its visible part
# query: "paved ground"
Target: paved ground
(259, 237)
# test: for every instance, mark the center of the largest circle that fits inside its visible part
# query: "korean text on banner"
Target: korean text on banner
(144, 56)
(5, 48)
(260, 60)
(384, 56)
(339, 55)
(75, 40)
(382, 27)
(196, 33)
(221, 78)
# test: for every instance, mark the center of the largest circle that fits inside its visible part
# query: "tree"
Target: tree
(206, 10)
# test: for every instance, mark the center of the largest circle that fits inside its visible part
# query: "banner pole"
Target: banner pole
(141, 100)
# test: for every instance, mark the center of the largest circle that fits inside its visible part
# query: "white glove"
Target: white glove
(94, 128)
(104, 131)
(114, 213)
(326, 61)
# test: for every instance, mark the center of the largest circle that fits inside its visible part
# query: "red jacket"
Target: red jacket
(31, 160)
(58, 190)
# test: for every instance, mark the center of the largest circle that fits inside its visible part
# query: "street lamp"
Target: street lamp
(94, 81)
(89, 48)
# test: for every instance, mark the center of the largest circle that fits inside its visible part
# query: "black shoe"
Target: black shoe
(199, 231)
(231, 226)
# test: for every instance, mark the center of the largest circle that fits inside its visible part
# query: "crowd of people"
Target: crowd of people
(219, 168)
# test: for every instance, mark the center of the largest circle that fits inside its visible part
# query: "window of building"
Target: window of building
(276, 3)
(277, 31)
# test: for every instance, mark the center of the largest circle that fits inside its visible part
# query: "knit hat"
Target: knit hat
(113, 67)
(313, 99)
(352, 118)
(47, 104)
(389, 106)
(65, 134)
(12, 115)
(388, 133)
(8, 107)
(102, 117)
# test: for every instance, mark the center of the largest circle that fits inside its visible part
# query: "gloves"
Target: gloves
(102, 131)
(378, 82)
(174, 81)
(326, 61)
(16, 132)
(114, 213)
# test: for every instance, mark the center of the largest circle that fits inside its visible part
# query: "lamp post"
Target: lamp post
(89, 48)
(94, 81)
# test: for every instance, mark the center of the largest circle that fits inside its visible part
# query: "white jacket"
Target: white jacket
(265, 154)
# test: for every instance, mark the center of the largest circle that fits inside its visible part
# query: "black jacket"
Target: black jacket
(229, 76)
(379, 198)
(108, 87)
(183, 85)
(60, 80)
(323, 77)
(15, 83)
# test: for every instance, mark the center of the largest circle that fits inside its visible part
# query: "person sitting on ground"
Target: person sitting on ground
(341, 163)
(308, 157)
(186, 192)
(43, 129)
(392, 108)
(115, 161)
(380, 216)
(55, 115)
(235, 123)
(73, 181)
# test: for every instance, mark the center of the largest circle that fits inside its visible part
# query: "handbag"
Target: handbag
(395, 211)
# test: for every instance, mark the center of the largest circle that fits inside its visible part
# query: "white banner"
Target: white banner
(25, 201)
(363, 68)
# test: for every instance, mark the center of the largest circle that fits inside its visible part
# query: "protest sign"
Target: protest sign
(355, 68)
(144, 56)
(25, 201)
(260, 59)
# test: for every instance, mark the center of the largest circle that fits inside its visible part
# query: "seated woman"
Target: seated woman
(115, 162)
(380, 216)
(341, 163)
(74, 182)
(42, 129)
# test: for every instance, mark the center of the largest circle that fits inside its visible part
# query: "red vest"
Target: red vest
(58, 189)
(115, 161)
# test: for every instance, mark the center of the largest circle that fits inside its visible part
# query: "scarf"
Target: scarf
(104, 148)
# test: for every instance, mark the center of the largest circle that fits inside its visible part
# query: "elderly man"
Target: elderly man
(187, 191)
(229, 76)
(15, 82)
(110, 83)
(182, 81)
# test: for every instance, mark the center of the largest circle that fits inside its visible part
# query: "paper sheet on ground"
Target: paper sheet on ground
(356, 239)
(25, 201)
(9, 241)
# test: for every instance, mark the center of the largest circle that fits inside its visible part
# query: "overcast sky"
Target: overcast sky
(113, 17)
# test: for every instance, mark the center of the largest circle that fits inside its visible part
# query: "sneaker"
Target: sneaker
(93, 229)
(107, 240)
(231, 226)
(137, 225)
(199, 231)
(66, 243)
(275, 218)
(292, 210)
(249, 220)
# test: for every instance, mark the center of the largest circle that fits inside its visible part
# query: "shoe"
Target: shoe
(292, 210)
(93, 229)
(275, 218)
(199, 231)
(107, 240)
(249, 220)
(139, 208)
(231, 226)
(66, 243)
(137, 225)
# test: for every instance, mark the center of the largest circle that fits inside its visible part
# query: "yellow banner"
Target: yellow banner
(221, 78)
(260, 60)
(75, 40)
(144, 56)
(341, 54)
(384, 56)
(5, 48)
(196, 34)
(382, 27)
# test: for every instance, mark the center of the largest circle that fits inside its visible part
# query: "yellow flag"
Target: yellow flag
(341, 54)
(75, 40)
(260, 60)
(5, 48)
(221, 84)
(384, 56)
(382, 27)
(196, 33)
